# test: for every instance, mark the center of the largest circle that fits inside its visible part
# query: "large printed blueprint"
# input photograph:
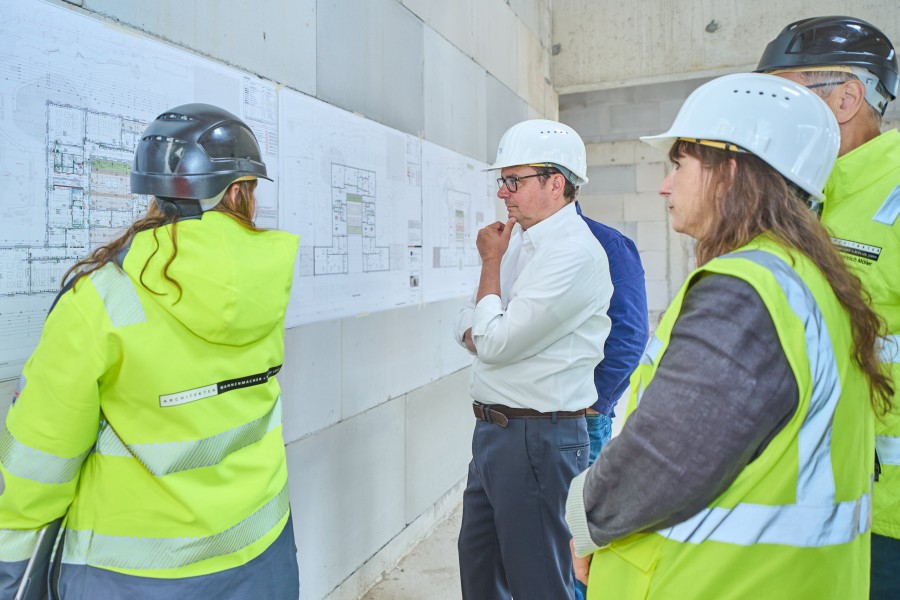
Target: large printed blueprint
(385, 219)
(352, 190)
(75, 96)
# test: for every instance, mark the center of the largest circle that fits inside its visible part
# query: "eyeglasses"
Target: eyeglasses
(813, 86)
(512, 183)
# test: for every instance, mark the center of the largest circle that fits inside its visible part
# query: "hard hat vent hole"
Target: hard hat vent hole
(762, 93)
(175, 117)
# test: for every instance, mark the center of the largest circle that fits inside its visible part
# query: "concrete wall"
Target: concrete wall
(377, 418)
(603, 44)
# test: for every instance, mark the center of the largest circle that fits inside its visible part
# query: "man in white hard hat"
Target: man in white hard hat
(536, 326)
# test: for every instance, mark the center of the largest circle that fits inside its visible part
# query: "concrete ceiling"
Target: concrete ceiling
(602, 44)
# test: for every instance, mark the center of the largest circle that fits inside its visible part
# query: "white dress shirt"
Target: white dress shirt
(539, 341)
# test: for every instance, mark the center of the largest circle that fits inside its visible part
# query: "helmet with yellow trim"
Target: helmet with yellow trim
(781, 122)
(190, 155)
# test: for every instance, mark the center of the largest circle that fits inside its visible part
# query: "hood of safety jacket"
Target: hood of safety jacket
(235, 283)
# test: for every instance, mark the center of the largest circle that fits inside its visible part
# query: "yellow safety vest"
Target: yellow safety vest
(154, 423)
(795, 522)
(861, 212)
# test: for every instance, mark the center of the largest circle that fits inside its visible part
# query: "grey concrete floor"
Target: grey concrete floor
(429, 572)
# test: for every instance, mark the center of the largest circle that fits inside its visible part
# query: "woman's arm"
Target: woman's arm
(722, 391)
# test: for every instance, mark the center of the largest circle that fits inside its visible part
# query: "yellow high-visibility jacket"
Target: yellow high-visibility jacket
(862, 213)
(153, 422)
(795, 522)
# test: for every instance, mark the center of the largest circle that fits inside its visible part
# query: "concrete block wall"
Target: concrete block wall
(622, 193)
(625, 175)
(376, 408)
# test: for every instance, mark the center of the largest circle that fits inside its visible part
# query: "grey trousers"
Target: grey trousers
(514, 541)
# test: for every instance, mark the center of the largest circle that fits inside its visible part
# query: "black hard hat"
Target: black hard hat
(192, 152)
(826, 41)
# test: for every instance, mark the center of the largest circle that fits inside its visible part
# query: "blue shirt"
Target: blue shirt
(628, 313)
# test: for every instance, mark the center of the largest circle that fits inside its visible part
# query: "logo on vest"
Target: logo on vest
(857, 252)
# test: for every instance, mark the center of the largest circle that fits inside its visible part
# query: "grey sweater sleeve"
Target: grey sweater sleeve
(722, 391)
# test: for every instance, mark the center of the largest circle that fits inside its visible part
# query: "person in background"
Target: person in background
(536, 327)
(627, 336)
(149, 416)
(744, 467)
(628, 332)
(852, 66)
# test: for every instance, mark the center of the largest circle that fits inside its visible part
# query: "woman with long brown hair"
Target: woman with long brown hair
(744, 469)
(148, 418)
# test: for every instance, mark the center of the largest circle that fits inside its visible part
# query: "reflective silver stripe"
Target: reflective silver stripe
(889, 349)
(172, 457)
(651, 352)
(790, 525)
(815, 519)
(815, 479)
(649, 357)
(28, 463)
(119, 296)
(890, 210)
(84, 547)
(18, 544)
(888, 447)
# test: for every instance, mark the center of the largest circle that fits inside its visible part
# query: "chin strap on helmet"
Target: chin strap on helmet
(179, 207)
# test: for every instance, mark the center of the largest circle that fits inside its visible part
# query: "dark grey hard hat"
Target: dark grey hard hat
(825, 41)
(192, 152)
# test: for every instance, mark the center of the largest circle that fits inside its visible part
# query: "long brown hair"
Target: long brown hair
(241, 208)
(756, 199)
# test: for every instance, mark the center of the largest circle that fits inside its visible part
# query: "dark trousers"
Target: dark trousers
(514, 541)
(885, 568)
(273, 575)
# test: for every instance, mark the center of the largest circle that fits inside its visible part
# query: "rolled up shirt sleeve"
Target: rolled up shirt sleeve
(464, 321)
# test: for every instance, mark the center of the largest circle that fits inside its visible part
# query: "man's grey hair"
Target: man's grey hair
(837, 78)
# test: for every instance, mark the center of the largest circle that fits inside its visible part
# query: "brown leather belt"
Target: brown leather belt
(500, 414)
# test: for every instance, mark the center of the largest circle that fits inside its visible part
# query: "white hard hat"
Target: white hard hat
(781, 122)
(539, 142)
